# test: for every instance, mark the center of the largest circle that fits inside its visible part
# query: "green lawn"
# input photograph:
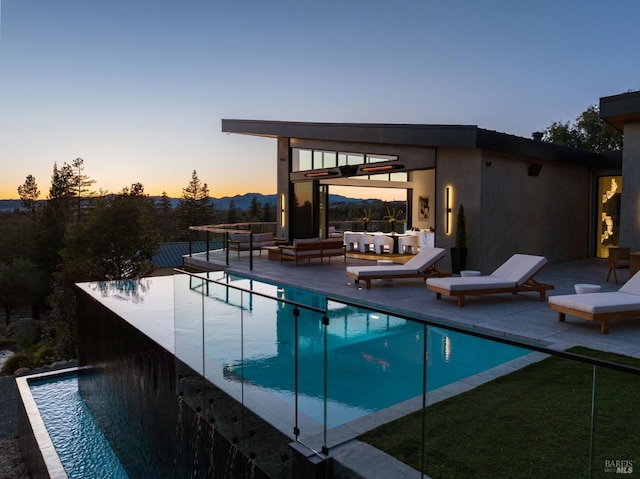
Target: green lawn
(534, 423)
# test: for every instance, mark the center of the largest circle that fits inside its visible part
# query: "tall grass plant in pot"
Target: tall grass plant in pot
(459, 251)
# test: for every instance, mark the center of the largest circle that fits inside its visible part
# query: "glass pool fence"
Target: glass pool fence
(446, 401)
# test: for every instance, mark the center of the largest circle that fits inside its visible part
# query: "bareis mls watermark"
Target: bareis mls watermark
(618, 466)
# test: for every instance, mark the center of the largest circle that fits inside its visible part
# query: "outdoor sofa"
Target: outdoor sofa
(514, 276)
(601, 306)
(420, 266)
(308, 248)
(241, 241)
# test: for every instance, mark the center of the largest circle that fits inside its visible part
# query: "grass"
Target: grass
(535, 422)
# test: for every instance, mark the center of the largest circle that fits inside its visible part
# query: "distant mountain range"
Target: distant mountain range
(241, 202)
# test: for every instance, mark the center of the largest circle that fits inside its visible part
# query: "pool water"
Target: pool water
(362, 361)
(80, 443)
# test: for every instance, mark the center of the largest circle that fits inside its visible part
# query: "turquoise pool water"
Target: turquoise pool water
(80, 443)
(361, 362)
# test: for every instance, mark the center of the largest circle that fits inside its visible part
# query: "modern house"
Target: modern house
(519, 194)
(623, 112)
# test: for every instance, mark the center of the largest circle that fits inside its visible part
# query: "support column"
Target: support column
(630, 204)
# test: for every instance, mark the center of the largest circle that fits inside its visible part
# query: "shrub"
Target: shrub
(15, 362)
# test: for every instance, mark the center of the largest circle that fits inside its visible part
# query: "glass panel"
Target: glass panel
(529, 417)
(399, 176)
(295, 159)
(223, 310)
(242, 363)
(189, 348)
(616, 430)
(323, 198)
(342, 159)
(355, 159)
(380, 158)
(303, 211)
(330, 159)
(302, 160)
(310, 379)
(317, 160)
(609, 192)
(375, 368)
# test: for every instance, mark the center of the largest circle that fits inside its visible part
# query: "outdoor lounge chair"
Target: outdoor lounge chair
(514, 276)
(420, 266)
(601, 307)
(619, 258)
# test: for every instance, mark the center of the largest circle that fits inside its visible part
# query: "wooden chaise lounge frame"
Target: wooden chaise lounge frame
(530, 285)
(527, 286)
(420, 266)
(430, 272)
(601, 306)
(602, 318)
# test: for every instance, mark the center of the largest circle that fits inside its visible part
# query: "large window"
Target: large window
(307, 160)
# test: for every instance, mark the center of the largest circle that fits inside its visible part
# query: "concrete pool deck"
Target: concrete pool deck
(519, 316)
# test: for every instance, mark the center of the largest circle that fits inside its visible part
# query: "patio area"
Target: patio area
(521, 316)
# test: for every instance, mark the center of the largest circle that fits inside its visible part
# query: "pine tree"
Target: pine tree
(81, 184)
(61, 182)
(165, 217)
(267, 214)
(195, 207)
(232, 213)
(254, 209)
(29, 194)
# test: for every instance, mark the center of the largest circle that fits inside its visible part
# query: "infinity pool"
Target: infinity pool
(360, 362)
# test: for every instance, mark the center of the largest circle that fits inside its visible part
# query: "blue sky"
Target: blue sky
(138, 88)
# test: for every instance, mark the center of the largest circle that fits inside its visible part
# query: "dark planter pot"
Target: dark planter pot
(458, 260)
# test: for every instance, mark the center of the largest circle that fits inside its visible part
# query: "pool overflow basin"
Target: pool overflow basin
(232, 377)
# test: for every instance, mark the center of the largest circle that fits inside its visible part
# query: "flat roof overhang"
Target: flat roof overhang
(433, 136)
(618, 110)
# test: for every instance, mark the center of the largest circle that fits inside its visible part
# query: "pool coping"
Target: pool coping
(42, 459)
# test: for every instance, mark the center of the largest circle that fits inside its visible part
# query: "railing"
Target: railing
(218, 235)
(321, 371)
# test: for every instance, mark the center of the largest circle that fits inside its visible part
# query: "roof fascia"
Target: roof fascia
(617, 110)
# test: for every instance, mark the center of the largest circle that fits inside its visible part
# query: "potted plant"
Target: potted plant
(459, 251)
(392, 216)
(366, 219)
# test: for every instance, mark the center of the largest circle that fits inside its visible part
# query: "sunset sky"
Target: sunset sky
(138, 88)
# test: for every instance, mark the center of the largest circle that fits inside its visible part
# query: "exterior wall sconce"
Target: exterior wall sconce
(370, 169)
(534, 169)
(283, 211)
(448, 210)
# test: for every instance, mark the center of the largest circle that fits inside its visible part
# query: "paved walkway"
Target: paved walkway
(519, 316)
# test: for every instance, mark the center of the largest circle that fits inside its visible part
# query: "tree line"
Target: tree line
(77, 234)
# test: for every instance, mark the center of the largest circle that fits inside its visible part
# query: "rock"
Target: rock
(21, 371)
(22, 325)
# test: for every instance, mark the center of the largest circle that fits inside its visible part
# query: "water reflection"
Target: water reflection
(132, 290)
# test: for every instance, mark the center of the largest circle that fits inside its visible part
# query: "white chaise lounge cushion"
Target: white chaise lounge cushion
(470, 283)
(595, 303)
(426, 258)
(627, 298)
(519, 268)
(632, 286)
(416, 265)
(513, 272)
